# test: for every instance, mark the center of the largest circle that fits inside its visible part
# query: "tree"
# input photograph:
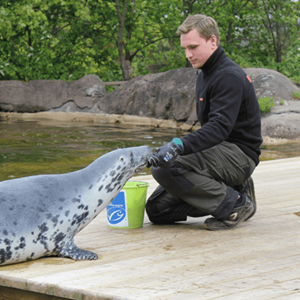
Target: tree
(121, 19)
(54, 39)
(142, 26)
(119, 39)
(280, 18)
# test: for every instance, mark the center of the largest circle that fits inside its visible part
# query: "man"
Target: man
(208, 172)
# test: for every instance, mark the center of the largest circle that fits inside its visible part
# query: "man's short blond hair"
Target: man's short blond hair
(206, 26)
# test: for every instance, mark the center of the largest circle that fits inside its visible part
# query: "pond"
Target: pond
(31, 148)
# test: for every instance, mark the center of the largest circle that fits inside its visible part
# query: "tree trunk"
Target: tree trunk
(229, 36)
(187, 10)
(121, 18)
(278, 48)
(187, 7)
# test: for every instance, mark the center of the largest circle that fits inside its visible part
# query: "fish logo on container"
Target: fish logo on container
(127, 209)
(117, 214)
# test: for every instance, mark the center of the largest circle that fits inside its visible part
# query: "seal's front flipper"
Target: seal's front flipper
(72, 251)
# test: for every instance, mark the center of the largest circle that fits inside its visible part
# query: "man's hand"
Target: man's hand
(164, 156)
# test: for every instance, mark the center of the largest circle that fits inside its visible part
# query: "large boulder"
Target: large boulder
(167, 95)
(283, 121)
(270, 83)
(171, 95)
(41, 95)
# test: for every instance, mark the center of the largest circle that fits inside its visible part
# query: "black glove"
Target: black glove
(164, 156)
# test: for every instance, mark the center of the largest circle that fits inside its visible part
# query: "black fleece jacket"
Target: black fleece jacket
(227, 108)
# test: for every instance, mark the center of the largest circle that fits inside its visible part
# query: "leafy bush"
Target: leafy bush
(296, 94)
(265, 104)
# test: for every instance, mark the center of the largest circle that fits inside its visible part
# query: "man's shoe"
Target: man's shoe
(237, 216)
(247, 187)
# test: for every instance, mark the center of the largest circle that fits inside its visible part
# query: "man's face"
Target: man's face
(197, 48)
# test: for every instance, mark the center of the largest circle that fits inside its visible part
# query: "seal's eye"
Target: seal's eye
(121, 158)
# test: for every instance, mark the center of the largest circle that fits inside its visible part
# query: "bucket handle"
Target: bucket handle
(141, 184)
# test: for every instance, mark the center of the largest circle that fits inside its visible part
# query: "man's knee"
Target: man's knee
(160, 201)
(174, 183)
(160, 207)
(153, 204)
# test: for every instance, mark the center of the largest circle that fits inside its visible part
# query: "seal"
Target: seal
(40, 215)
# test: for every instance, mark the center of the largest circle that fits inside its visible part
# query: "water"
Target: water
(31, 148)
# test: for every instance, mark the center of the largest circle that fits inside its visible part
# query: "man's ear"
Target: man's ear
(214, 41)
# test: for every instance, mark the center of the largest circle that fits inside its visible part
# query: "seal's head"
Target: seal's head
(133, 159)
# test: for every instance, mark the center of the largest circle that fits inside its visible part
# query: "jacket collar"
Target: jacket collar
(213, 59)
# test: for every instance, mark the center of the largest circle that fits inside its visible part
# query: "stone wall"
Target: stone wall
(163, 96)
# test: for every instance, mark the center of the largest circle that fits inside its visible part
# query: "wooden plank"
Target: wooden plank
(258, 260)
(16, 294)
(189, 264)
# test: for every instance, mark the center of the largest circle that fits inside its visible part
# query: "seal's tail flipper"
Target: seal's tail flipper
(72, 251)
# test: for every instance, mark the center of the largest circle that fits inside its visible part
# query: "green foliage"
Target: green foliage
(265, 104)
(296, 94)
(55, 39)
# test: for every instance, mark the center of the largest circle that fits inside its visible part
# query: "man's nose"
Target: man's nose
(188, 53)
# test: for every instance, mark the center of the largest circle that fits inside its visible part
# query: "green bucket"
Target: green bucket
(127, 208)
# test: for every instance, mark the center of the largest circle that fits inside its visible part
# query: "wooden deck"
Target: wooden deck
(258, 260)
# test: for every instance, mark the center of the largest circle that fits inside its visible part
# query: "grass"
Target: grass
(296, 94)
(265, 104)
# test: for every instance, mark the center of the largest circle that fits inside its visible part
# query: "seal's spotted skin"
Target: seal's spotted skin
(40, 215)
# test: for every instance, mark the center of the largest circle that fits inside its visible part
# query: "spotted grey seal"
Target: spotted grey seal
(40, 215)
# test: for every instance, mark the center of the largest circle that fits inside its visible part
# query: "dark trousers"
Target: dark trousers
(199, 184)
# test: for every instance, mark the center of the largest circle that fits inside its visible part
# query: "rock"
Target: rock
(171, 95)
(167, 95)
(42, 95)
(164, 96)
(270, 83)
(283, 121)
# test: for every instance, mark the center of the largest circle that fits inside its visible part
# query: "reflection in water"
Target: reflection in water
(290, 149)
(30, 148)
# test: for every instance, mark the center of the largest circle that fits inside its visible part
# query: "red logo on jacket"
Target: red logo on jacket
(248, 77)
